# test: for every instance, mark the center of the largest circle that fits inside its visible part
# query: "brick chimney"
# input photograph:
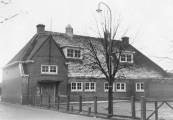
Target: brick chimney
(40, 28)
(69, 30)
(125, 40)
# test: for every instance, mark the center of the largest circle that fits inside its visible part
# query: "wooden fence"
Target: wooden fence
(156, 107)
(62, 102)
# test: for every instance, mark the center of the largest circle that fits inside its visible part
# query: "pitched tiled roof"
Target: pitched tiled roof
(63, 39)
(30, 48)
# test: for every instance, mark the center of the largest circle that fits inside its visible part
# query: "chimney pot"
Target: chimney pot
(125, 40)
(40, 28)
(69, 30)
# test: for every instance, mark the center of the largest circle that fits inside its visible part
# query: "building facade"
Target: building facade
(52, 63)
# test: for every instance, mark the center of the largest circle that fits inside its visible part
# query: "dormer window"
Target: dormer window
(126, 57)
(73, 52)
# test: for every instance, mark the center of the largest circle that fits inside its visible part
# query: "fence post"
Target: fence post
(40, 100)
(156, 113)
(71, 108)
(95, 104)
(133, 107)
(80, 103)
(89, 110)
(143, 108)
(33, 100)
(49, 101)
(58, 100)
(68, 102)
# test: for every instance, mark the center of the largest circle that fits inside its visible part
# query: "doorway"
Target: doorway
(46, 90)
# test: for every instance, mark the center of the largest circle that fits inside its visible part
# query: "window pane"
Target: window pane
(87, 86)
(123, 58)
(79, 87)
(118, 86)
(92, 86)
(129, 58)
(106, 86)
(53, 69)
(77, 53)
(122, 86)
(142, 86)
(73, 86)
(69, 52)
(138, 86)
(45, 68)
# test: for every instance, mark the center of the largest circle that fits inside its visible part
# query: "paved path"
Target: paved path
(19, 112)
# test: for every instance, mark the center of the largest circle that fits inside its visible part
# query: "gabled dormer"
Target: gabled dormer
(73, 52)
(127, 57)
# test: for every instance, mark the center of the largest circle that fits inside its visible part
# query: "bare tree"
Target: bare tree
(4, 3)
(102, 55)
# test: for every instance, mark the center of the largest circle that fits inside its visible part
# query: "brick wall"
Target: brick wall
(13, 85)
(158, 89)
(42, 57)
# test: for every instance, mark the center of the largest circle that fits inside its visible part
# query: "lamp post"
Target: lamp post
(110, 97)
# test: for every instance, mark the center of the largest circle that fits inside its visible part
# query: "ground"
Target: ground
(19, 112)
(122, 108)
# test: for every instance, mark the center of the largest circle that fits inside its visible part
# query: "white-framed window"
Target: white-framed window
(106, 87)
(140, 87)
(49, 69)
(120, 87)
(74, 53)
(77, 86)
(126, 57)
(90, 86)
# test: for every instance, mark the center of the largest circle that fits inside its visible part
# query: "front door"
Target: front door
(46, 90)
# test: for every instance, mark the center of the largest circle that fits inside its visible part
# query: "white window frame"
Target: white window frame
(49, 72)
(121, 90)
(106, 90)
(140, 85)
(126, 54)
(90, 90)
(78, 49)
(77, 90)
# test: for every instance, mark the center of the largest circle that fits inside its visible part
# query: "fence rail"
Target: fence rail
(156, 107)
(63, 102)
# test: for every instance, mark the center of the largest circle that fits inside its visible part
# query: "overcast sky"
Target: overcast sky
(150, 20)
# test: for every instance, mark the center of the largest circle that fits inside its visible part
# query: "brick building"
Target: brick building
(50, 64)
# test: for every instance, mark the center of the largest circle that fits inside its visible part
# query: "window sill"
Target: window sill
(108, 91)
(121, 91)
(49, 74)
(76, 91)
(90, 91)
(126, 62)
(140, 91)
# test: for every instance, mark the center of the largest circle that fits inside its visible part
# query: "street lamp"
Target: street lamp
(110, 99)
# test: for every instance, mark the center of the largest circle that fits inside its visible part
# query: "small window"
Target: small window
(76, 86)
(106, 87)
(77, 53)
(126, 57)
(49, 69)
(70, 52)
(90, 86)
(45, 68)
(140, 87)
(74, 53)
(120, 87)
(123, 58)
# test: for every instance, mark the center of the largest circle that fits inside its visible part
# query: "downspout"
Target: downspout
(68, 74)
